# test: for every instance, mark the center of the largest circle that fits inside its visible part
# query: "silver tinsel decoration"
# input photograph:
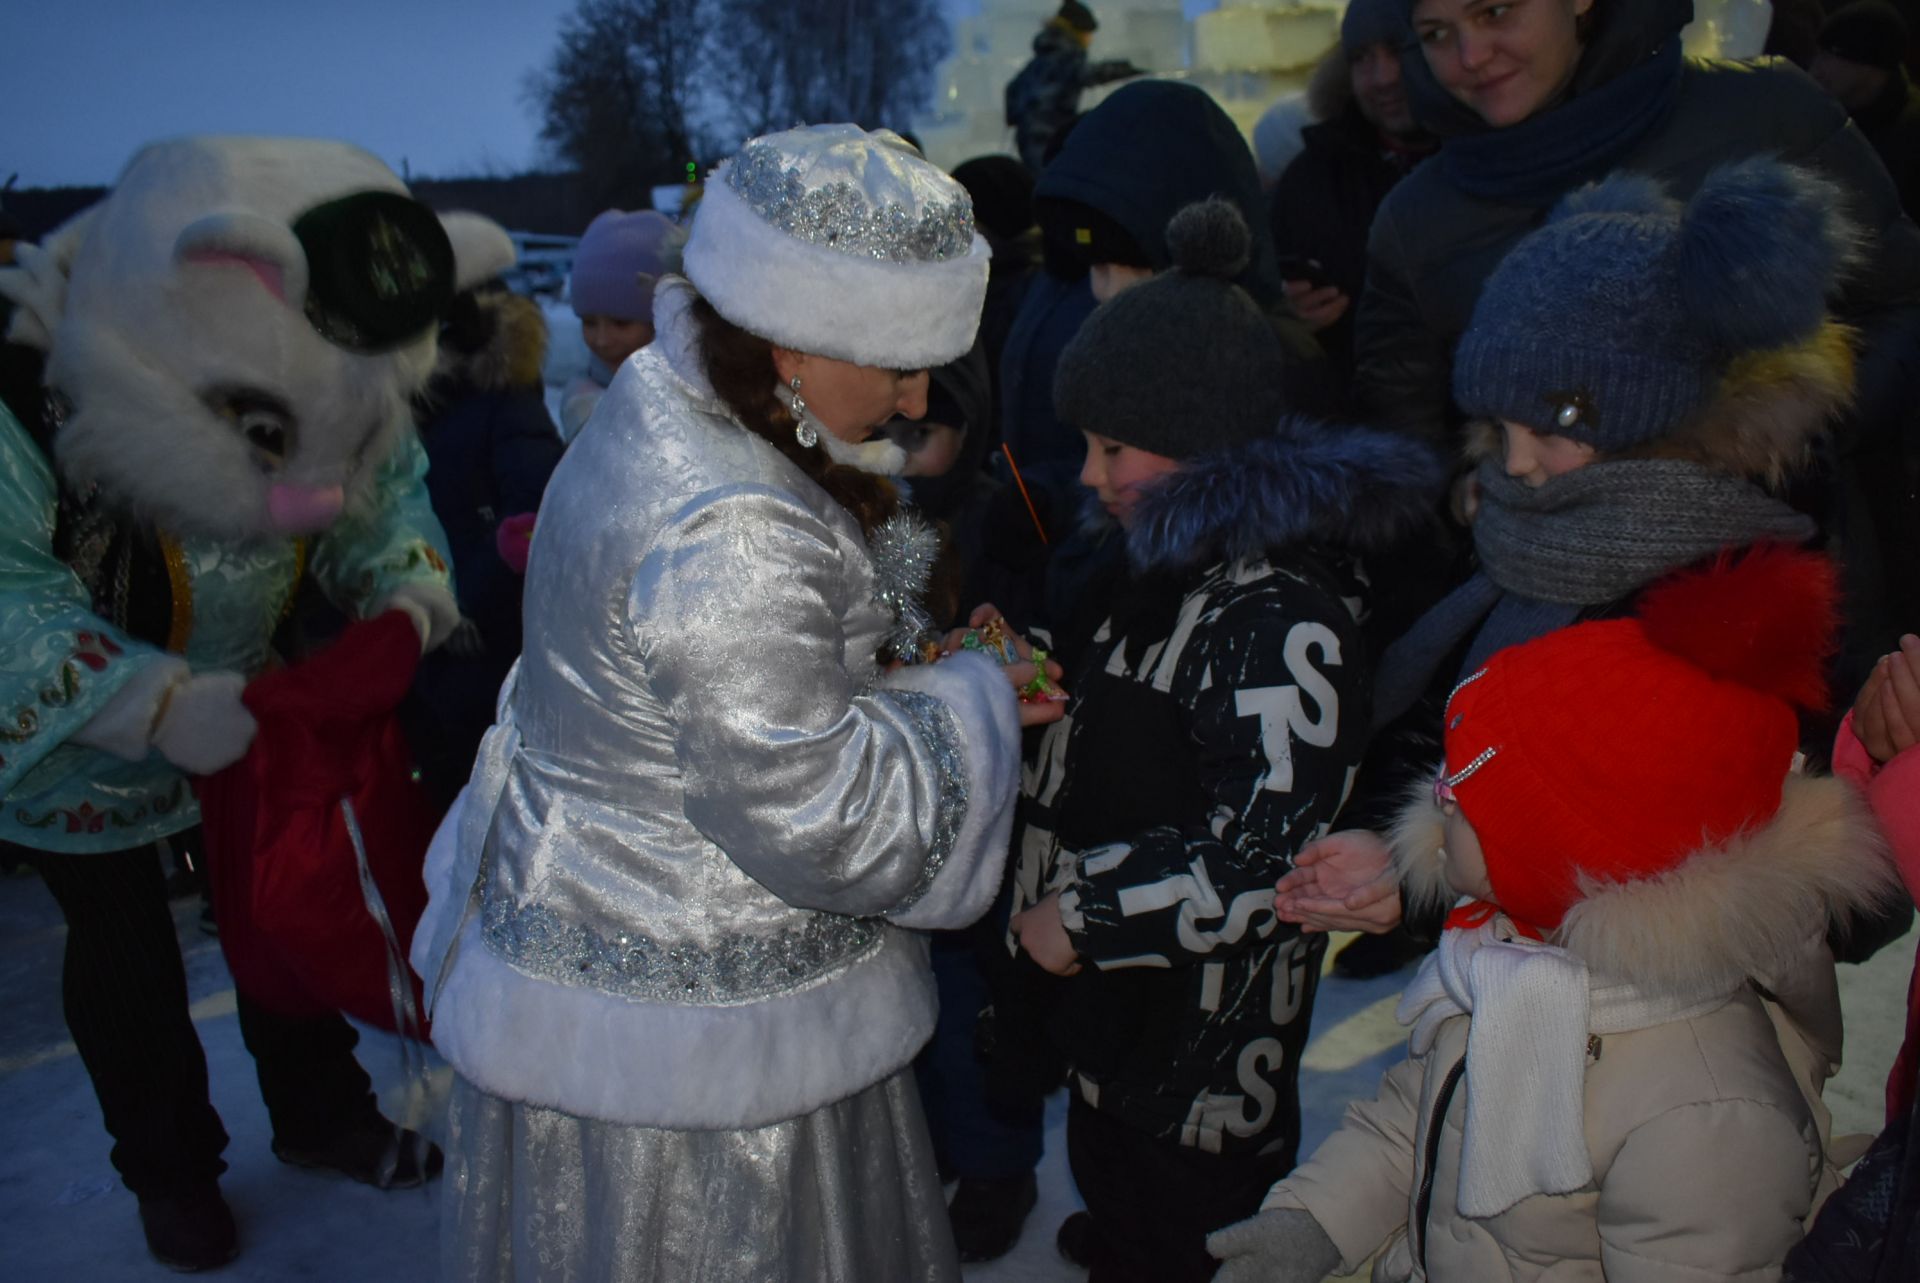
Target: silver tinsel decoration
(839, 216)
(904, 549)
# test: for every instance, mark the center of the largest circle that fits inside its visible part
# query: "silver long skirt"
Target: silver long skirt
(846, 1194)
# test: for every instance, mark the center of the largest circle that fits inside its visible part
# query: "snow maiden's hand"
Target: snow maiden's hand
(1021, 665)
(1343, 882)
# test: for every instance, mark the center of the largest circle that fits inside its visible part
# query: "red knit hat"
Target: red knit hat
(1614, 750)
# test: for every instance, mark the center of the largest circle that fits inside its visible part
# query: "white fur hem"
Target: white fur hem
(905, 316)
(989, 719)
(648, 1064)
(123, 726)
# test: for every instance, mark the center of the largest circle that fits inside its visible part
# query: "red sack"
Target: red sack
(299, 934)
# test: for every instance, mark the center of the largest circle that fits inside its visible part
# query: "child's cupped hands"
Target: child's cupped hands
(1886, 715)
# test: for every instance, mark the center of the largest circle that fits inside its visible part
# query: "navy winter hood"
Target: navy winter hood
(1149, 150)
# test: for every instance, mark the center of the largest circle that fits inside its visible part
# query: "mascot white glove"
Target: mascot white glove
(196, 721)
(203, 726)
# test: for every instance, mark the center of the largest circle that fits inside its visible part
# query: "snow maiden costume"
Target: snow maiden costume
(231, 338)
(669, 928)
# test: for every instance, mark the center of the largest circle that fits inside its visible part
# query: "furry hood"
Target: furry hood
(1739, 909)
(1309, 482)
(494, 340)
(1762, 423)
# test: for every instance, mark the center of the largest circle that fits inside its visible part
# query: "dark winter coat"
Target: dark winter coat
(1323, 205)
(1215, 723)
(1045, 96)
(1047, 452)
(490, 448)
(1891, 123)
(1433, 245)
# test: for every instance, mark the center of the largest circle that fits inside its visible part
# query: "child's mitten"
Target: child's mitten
(1284, 1245)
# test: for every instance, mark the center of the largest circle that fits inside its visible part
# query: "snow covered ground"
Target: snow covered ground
(64, 1216)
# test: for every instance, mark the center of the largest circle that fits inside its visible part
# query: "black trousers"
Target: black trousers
(124, 989)
(1154, 1202)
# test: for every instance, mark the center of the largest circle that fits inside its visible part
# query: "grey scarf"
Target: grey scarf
(1585, 539)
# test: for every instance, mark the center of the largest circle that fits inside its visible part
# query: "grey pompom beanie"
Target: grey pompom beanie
(1613, 323)
(1186, 362)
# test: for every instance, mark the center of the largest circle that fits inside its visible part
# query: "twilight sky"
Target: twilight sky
(437, 84)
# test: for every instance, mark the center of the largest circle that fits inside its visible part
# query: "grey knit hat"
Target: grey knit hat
(1613, 323)
(1186, 362)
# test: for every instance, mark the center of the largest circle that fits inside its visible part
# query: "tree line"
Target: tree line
(638, 90)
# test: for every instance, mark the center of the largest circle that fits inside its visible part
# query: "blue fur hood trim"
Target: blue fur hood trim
(1310, 482)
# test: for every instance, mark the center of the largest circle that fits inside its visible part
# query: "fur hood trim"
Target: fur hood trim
(1762, 423)
(1353, 488)
(1742, 908)
(510, 355)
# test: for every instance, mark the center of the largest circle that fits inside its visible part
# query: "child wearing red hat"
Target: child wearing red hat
(1617, 1051)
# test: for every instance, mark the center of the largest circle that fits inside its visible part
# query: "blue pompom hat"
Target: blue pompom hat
(1614, 322)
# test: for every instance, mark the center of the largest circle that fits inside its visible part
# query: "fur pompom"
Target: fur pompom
(1210, 238)
(1761, 246)
(1765, 620)
(1624, 192)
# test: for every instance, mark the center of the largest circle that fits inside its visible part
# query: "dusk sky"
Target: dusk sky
(438, 84)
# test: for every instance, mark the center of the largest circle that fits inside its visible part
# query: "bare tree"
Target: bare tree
(636, 89)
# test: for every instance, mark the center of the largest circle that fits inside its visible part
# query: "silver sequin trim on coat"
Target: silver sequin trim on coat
(745, 969)
(838, 217)
(935, 721)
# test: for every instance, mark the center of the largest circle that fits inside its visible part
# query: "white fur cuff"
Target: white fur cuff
(988, 715)
(434, 612)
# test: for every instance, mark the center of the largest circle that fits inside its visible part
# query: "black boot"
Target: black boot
(987, 1215)
(374, 1152)
(1075, 1239)
(190, 1231)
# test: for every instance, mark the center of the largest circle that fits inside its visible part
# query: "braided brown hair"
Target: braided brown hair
(740, 368)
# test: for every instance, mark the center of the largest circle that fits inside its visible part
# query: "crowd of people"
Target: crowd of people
(975, 634)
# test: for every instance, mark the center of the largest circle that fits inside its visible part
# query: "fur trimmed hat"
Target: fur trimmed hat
(841, 243)
(1614, 323)
(1183, 363)
(1611, 752)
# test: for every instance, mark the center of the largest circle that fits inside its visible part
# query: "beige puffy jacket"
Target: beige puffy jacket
(1707, 1137)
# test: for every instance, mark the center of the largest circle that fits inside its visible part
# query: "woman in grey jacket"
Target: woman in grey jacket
(668, 937)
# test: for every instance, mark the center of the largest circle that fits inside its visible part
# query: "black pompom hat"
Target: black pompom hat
(1184, 363)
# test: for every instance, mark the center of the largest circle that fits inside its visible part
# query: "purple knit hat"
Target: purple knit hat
(617, 262)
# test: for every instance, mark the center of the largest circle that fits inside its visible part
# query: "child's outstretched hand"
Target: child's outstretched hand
(1886, 716)
(1342, 882)
(1044, 937)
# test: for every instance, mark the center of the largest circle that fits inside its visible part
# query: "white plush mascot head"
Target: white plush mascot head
(236, 329)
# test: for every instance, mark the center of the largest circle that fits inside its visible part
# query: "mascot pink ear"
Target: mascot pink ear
(242, 239)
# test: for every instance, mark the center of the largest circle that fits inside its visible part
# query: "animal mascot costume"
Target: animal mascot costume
(231, 338)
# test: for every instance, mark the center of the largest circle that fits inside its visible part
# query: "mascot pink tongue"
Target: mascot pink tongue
(304, 510)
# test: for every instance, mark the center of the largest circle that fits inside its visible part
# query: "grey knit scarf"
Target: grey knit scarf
(1585, 539)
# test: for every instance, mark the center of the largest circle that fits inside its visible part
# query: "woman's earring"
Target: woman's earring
(803, 431)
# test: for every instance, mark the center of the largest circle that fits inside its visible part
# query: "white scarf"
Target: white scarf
(1533, 1007)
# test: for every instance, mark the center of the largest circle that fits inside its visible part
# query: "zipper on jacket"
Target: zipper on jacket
(1424, 1205)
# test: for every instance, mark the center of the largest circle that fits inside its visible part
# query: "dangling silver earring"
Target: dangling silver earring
(802, 430)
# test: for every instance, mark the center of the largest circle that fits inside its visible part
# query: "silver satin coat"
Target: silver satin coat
(674, 892)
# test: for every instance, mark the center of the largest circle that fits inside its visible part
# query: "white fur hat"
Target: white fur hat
(841, 243)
